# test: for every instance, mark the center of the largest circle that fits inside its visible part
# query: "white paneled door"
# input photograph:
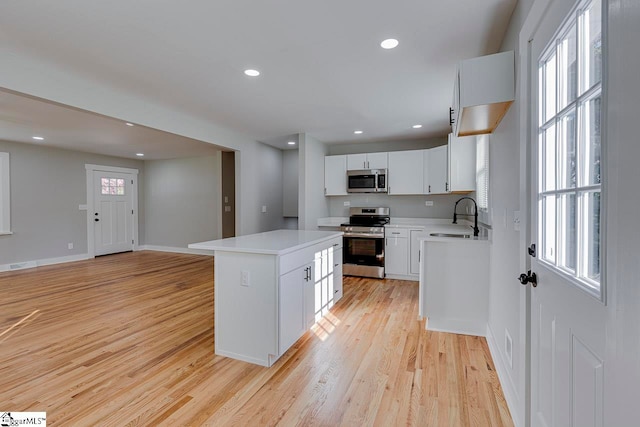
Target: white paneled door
(567, 308)
(113, 212)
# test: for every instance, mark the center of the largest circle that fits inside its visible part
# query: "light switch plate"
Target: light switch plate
(245, 278)
(516, 220)
(264, 209)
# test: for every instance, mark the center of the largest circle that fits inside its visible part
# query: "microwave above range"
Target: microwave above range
(367, 181)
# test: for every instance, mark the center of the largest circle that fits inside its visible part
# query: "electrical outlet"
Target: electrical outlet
(347, 203)
(245, 279)
(70, 246)
(428, 203)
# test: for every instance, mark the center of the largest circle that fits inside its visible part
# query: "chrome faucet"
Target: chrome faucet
(476, 230)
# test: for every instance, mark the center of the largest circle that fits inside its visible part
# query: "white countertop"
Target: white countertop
(277, 242)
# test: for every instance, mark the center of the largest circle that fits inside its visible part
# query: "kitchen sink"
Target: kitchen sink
(456, 235)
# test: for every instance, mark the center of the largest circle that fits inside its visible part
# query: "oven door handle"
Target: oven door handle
(364, 235)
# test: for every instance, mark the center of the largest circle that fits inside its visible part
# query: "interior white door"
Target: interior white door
(567, 320)
(113, 212)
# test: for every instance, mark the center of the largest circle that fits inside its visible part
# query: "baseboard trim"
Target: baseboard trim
(455, 326)
(23, 265)
(402, 277)
(505, 378)
(175, 250)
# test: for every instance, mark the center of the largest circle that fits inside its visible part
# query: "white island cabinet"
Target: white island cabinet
(270, 288)
(454, 282)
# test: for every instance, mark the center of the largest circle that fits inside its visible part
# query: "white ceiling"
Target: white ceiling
(323, 70)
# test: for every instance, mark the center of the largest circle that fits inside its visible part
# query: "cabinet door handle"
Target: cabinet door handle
(429, 189)
(446, 186)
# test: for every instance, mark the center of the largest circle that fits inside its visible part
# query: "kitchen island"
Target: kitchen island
(270, 288)
(454, 281)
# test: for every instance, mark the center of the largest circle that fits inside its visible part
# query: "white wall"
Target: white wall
(622, 180)
(312, 203)
(259, 174)
(504, 192)
(182, 202)
(47, 186)
(290, 174)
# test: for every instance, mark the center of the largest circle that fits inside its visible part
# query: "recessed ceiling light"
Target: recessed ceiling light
(39, 138)
(291, 143)
(140, 154)
(357, 132)
(129, 124)
(389, 43)
(416, 126)
(252, 73)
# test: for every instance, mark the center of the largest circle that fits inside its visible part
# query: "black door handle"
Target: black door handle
(529, 277)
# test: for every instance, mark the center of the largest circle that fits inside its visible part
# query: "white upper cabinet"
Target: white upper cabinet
(484, 89)
(462, 164)
(435, 170)
(356, 161)
(335, 175)
(377, 160)
(406, 175)
(367, 161)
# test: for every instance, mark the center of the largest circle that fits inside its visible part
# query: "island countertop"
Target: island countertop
(276, 242)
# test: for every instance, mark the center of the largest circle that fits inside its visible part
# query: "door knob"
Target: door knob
(96, 219)
(529, 277)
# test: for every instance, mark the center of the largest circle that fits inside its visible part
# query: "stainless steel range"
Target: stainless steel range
(363, 246)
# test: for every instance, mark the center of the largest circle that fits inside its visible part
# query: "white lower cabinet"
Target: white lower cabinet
(337, 275)
(401, 256)
(396, 252)
(414, 251)
(292, 297)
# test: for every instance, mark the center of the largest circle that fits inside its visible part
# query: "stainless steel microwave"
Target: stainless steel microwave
(367, 181)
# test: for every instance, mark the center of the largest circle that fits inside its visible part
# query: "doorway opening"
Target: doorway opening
(228, 194)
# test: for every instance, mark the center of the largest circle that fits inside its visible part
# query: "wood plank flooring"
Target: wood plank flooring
(127, 339)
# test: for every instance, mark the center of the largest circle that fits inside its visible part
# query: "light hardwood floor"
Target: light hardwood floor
(127, 339)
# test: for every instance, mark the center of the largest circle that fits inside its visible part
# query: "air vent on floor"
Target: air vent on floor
(508, 348)
(22, 265)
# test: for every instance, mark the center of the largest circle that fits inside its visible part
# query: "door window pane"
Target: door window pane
(549, 226)
(591, 140)
(549, 160)
(567, 151)
(591, 46)
(112, 186)
(567, 69)
(592, 235)
(550, 88)
(569, 235)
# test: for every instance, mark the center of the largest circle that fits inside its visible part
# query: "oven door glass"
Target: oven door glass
(364, 251)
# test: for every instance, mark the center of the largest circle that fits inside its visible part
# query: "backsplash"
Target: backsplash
(400, 206)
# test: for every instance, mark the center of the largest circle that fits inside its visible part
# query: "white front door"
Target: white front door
(113, 212)
(567, 306)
